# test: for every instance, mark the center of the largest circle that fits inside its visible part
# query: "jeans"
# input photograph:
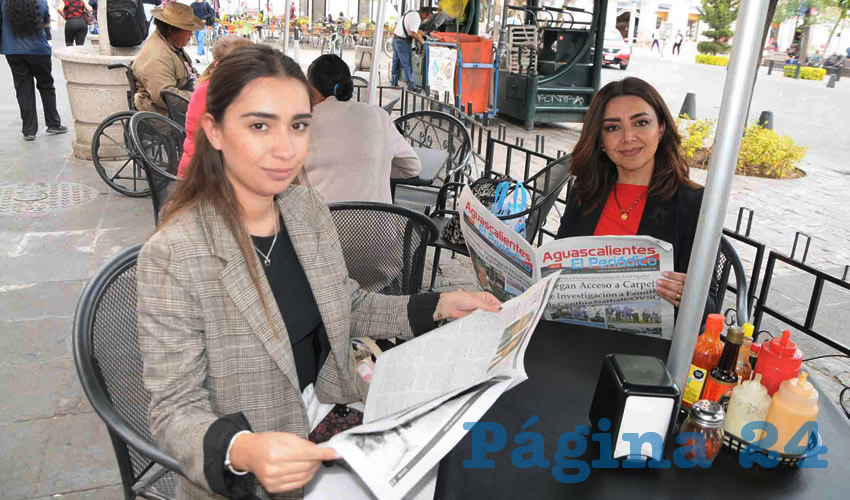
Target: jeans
(401, 55)
(200, 36)
(25, 68)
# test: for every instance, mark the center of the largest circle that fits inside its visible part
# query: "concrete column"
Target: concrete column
(648, 14)
(319, 12)
(678, 15)
(631, 32)
(362, 10)
(611, 15)
(94, 90)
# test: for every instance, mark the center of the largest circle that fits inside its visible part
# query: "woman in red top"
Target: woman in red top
(76, 26)
(630, 178)
(198, 102)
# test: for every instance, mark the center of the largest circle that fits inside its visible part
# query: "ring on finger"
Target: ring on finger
(678, 297)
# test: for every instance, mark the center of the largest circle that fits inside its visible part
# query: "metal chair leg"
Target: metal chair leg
(434, 267)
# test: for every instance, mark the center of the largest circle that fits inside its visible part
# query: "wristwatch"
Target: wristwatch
(227, 463)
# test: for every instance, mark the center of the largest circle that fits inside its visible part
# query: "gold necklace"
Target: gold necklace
(624, 214)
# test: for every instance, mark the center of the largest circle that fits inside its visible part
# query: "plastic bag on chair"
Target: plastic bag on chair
(508, 203)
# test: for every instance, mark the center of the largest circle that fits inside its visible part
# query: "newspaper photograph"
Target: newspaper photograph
(423, 390)
(603, 281)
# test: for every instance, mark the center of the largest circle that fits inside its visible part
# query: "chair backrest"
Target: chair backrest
(384, 245)
(159, 142)
(177, 106)
(390, 105)
(438, 130)
(727, 261)
(109, 364)
(359, 81)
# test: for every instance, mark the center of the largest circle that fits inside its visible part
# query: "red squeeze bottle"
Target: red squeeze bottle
(778, 360)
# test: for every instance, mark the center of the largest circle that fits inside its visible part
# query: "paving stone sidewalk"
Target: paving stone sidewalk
(55, 446)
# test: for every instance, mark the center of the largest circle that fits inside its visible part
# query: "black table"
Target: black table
(563, 363)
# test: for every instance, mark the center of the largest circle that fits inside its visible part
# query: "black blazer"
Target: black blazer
(673, 221)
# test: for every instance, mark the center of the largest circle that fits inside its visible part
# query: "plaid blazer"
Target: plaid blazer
(207, 345)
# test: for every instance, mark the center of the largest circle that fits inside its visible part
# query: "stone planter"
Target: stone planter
(95, 40)
(94, 90)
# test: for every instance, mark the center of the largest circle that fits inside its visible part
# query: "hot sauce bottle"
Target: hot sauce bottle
(723, 378)
(707, 353)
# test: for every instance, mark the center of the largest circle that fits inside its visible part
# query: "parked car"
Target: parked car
(615, 51)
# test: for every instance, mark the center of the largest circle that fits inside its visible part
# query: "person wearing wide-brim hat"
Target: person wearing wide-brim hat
(163, 64)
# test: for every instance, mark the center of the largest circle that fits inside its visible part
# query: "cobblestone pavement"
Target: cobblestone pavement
(55, 446)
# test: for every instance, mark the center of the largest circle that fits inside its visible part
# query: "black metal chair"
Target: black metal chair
(384, 245)
(727, 261)
(109, 364)
(543, 187)
(359, 81)
(434, 130)
(160, 144)
(177, 106)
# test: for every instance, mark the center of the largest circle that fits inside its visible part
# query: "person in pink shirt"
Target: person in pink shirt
(198, 103)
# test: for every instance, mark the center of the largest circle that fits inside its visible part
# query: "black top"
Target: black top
(673, 221)
(296, 303)
(310, 347)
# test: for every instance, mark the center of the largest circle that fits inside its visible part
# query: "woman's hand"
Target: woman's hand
(281, 461)
(455, 305)
(671, 287)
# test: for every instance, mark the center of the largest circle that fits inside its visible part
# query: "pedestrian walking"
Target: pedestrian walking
(76, 14)
(677, 43)
(203, 11)
(23, 42)
(655, 41)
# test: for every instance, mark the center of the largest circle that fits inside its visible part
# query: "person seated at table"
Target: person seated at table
(163, 64)
(244, 299)
(198, 102)
(631, 179)
(355, 148)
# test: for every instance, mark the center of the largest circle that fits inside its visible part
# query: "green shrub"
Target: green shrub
(712, 60)
(806, 72)
(766, 153)
(696, 135)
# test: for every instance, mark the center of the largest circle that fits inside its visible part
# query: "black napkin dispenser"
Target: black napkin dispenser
(637, 395)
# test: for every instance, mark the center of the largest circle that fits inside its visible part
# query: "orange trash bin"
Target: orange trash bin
(475, 81)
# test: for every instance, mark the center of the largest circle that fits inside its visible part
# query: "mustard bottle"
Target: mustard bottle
(793, 405)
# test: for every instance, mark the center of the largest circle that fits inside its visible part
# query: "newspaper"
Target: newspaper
(424, 390)
(604, 281)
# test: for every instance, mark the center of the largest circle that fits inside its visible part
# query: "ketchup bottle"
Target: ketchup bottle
(707, 354)
(778, 360)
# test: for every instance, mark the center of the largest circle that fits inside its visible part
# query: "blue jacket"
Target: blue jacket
(34, 45)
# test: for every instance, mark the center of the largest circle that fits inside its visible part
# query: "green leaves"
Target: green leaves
(719, 15)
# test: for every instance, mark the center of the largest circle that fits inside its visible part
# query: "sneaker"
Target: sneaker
(61, 129)
(29, 138)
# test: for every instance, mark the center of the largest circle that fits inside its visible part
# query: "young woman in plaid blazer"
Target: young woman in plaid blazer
(244, 296)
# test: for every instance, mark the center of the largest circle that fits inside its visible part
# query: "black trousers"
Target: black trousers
(76, 30)
(31, 72)
(677, 48)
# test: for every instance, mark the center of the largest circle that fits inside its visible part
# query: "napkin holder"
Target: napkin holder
(637, 395)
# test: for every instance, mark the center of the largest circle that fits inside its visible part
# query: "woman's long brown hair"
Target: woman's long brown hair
(206, 180)
(595, 173)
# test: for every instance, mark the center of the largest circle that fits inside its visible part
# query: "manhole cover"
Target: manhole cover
(43, 197)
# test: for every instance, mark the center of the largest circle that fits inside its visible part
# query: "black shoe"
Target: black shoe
(61, 129)
(29, 138)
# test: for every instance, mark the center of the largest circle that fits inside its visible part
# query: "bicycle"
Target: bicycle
(213, 34)
(112, 148)
(332, 44)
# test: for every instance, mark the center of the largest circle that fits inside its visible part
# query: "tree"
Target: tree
(719, 15)
(843, 7)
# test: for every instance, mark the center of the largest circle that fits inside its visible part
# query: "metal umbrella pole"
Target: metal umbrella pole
(286, 27)
(737, 93)
(374, 71)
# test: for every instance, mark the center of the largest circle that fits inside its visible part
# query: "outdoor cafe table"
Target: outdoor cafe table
(432, 160)
(563, 364)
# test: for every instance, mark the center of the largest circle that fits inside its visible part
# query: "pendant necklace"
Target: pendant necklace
(624, 214)
(267, 257)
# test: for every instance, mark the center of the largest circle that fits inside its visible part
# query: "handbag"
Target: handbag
(485, 191)
(504, 205)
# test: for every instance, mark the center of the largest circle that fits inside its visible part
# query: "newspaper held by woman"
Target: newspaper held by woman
(603, 281)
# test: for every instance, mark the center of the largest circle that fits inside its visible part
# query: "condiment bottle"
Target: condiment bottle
(706, 355)
(706, 418)
(794, 404)
(743, 368)
(723, 378)
(755, 347)
(779, 360)
(749, 403)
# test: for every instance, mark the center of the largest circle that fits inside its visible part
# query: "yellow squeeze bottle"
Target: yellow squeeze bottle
(793, 405)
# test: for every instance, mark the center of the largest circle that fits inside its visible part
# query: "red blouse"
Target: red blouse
(611, 222)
